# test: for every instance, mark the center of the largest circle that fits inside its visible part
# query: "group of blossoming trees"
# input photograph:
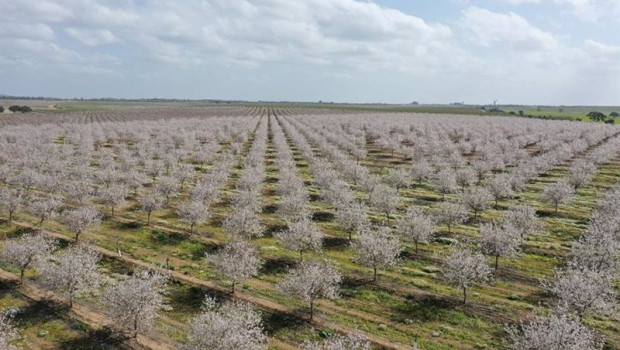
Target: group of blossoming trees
(82, 174)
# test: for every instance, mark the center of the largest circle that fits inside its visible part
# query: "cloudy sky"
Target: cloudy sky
(396, 51)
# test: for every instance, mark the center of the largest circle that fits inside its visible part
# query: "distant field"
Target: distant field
(73, 106)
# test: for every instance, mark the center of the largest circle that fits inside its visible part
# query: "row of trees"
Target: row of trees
(601, 117)
(16, 108)
(133, 301)
(585, 286)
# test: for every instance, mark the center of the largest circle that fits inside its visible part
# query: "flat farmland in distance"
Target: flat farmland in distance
(356, 187)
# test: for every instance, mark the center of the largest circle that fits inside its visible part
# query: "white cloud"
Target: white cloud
(378, 51)
(37, 31)
(488, 28)
(586, 10)
(92, 37)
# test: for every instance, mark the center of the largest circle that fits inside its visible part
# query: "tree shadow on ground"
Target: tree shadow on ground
(167, 238)
(270, 209)
(336, 243)
(132, 225)
(276, 321)
(322, 216)
(191, 298)
(271, 230)
(38, 312)
(8, 286)
(426, 308)
(97, 339)
(277, 265)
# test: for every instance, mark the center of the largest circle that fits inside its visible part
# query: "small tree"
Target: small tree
(294, 206)
(464, 268)
(524, 219)
(243, 223)
(11, 200)
(477, 199)
(15, 108)
(580, 173)
(415, 226)
(352, 217)
(466, 177)
(556, 332)
(445, 182)
(354, 341)
(149, 203)
(500, 186)
(301, 236)
(581, 292)
(597, 250)
(114, 196)
(385, 199)
(26, 251)
(237, 261)
(72, 271)
(376, 249)
(230, 326)
(500, 241)
(420, 171)
(193, 212)
(450, 214)
(45, 208)
(557, 193)
(81, 219)
(134, 301)
(398, 178)
(310, 281)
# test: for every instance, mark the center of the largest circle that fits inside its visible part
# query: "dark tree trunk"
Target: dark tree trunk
(464, 295)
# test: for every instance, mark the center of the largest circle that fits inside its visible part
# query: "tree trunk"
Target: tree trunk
(556, 207)
(135, 326)
(464, 295)
(416, 247)
(77, 237)
(301, 255)
(387, 215)
(21, 276)
(311, 309)
(496, 261)
(374, 277)
(10, 216)
(148, 218)
(233, 287)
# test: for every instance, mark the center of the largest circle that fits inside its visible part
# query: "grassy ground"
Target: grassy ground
(409, 302)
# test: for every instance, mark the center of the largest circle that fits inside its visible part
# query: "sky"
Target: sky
(536, 52)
